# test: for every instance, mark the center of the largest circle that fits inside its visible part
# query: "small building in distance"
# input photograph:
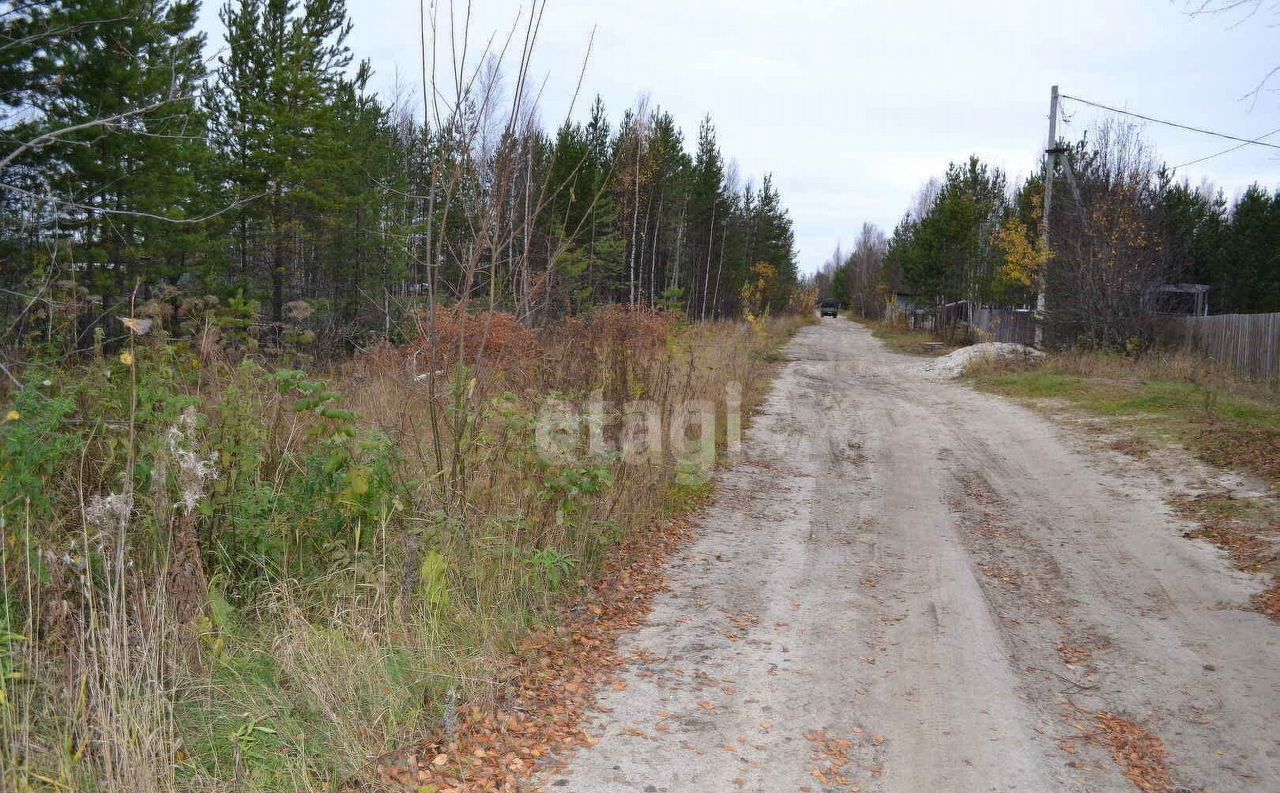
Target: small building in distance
(1185, 300)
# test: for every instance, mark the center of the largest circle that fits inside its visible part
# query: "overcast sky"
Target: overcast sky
(852, 105)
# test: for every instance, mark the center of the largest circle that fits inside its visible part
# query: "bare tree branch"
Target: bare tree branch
(129, 212)
(107, 122)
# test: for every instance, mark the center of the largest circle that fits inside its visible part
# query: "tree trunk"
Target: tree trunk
(277, 262)
(635, 223)
(706, 273)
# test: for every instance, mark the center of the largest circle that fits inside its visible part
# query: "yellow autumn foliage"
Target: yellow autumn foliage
(756, 292)
(1024, 256)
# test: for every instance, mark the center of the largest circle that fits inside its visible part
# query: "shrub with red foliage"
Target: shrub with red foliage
(608, 349)
(605, 349)
(489, 342)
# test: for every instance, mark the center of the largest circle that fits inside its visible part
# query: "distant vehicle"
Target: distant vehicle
(829, 307)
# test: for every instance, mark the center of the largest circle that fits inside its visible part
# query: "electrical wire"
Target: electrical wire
(1237, 147)
(1243, 141)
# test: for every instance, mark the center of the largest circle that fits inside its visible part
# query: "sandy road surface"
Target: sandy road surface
(908, 586)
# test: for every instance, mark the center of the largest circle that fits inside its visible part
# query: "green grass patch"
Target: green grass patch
(1228, 423)
(303, 707)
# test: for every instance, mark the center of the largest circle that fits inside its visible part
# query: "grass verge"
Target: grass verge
(549, 682)
(1229, 423)
(910, 342)
(552, 677)
(224, 573)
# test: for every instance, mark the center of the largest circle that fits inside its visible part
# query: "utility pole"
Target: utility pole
(1050, 167)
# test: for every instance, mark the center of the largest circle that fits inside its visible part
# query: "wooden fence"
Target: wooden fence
(1248, 344)
(1004, 324)
(974, 323)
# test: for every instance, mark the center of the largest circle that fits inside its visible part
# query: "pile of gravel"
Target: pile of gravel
(953, 364)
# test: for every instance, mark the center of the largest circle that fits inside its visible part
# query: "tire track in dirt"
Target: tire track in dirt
(909, 586)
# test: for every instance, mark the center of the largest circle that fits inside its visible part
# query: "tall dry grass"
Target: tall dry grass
(370, 542)
(1175, 365)
(95, 643)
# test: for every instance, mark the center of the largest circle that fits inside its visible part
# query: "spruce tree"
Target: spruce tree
(1249, 275)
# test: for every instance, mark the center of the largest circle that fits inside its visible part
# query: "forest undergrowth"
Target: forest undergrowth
(227, 569)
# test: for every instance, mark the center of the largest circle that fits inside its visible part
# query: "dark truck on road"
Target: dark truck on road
(829, 307)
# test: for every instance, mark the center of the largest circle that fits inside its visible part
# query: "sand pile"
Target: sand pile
(954, 364)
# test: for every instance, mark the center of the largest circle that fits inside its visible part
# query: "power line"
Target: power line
(1224, 151)
(1243, 141)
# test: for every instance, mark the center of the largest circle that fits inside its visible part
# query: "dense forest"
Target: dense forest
(135, 172)
(1122, 226)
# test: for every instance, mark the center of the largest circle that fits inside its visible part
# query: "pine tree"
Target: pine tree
(1191, 226)
(775, 240)
(707, 216)
(948, 255)
(317, 190)
(668, 168)
(113, 187)
(275, 104)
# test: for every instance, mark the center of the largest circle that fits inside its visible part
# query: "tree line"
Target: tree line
(134, 172)
(1122, 226)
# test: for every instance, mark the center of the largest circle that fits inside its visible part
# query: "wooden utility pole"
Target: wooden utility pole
(1050, 167)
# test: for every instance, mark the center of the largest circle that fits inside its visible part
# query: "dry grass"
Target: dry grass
(90, 688)
(550, 682)
(379, 539)
(1134, 446)
(1165, 396)
(899, 338)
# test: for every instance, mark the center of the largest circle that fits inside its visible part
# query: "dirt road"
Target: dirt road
(909, 587)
